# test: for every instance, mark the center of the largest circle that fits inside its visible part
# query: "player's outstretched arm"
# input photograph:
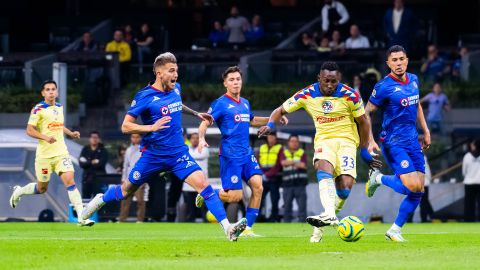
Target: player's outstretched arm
(423, 124)
(259, 121)
(203, 116)
(365, 128)
(202, 129)
(33, 132)
(129, 126)
(372, 145)
(72, 134)
(275, 117)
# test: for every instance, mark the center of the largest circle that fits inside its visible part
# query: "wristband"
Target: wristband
(366, 156)
(271, 125)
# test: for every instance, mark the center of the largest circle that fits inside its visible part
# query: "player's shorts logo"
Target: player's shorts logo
(44, 171)
(136, 175)
(404, 164)
(404, 102)
(237, 118)
(189, 164)
(234, 179)
(327, 106)
(164, 110)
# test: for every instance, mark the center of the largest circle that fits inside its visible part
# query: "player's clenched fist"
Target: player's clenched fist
(51, 140)
(161, 123)
(76, 135)
(264, 131)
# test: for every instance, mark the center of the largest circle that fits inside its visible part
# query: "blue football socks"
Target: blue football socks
(214, 205)
(407, 207)
(113, 193)
(251, 216)
(395, 183)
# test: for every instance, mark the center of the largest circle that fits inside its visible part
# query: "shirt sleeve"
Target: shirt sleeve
(138, 106)
(215, 110)
(296, 102)
(251, 112)
(34, 117)
(378, 96)
(343, 13)
(356, 105)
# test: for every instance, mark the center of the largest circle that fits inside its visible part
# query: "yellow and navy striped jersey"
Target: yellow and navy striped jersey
(49, 120)
(333, 115)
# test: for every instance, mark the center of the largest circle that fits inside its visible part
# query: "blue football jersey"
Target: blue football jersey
(399, 102)
(152, 104)
(233, 119)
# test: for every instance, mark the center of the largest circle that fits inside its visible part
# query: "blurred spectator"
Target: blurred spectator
(256, 32)
(144, 42)
(426, 209)
(271, 167)
(323, 47)
(237, 26)
(124, 54)
(93, 160)
(356, 39)
(120, 158)
(294, 179)
(437, 102)
(357, 82)
(336, 43)
(128, 34)
(434, 67)
(87, 44)
(131, 157)
(400, 25)
(307, 42)
(189, 194)
(471, 180)
(457, 65)
(334, 16)
(217, 35)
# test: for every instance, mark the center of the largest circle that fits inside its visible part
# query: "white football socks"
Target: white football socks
(76, 200)
(28, 189)
(225, 224)
(327, 192)
(395, 227)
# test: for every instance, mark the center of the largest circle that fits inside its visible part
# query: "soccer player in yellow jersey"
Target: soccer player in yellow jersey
(334, 108)
(46, 125)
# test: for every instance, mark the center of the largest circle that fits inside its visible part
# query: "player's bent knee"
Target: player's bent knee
(235, 196)
(42, 189)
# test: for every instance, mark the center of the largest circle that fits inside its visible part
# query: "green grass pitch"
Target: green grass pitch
(203, 246)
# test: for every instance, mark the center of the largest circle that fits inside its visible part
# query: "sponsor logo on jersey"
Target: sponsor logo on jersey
(164, 110)
(234, 179)
(404, 164)
(242, 117)
(155, 99)
(134, 102)
(374, 92)
(55, 126)
(44, 171)
(230, 106)
(324, 119)
(411, 100)
(397, 89)
(136, 175)
(327, 106)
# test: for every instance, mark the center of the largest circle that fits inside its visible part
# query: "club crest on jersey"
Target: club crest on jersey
(327, 106)
(237, 118)
(404, 102)
(234, 179)
(404, 164)
(136, 175)
(164, 110)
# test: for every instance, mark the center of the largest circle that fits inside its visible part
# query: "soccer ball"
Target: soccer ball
(210, 217)
(350, 229)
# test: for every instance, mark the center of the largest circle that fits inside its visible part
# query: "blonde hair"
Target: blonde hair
(163, 59)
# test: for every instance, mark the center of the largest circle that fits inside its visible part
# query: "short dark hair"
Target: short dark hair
(396, 48)
(330, 66)
(94, 132)
(231, 70)
(293, 136)
(190, 136)
(49, 82)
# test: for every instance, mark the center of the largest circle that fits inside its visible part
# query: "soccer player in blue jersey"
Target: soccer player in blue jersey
(159, 105)
(397, 95)
(234, 117)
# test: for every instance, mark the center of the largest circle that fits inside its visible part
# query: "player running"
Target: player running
(397, 95)
(334, 107)
(234, 117)
(46, 125)
(163, 148)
